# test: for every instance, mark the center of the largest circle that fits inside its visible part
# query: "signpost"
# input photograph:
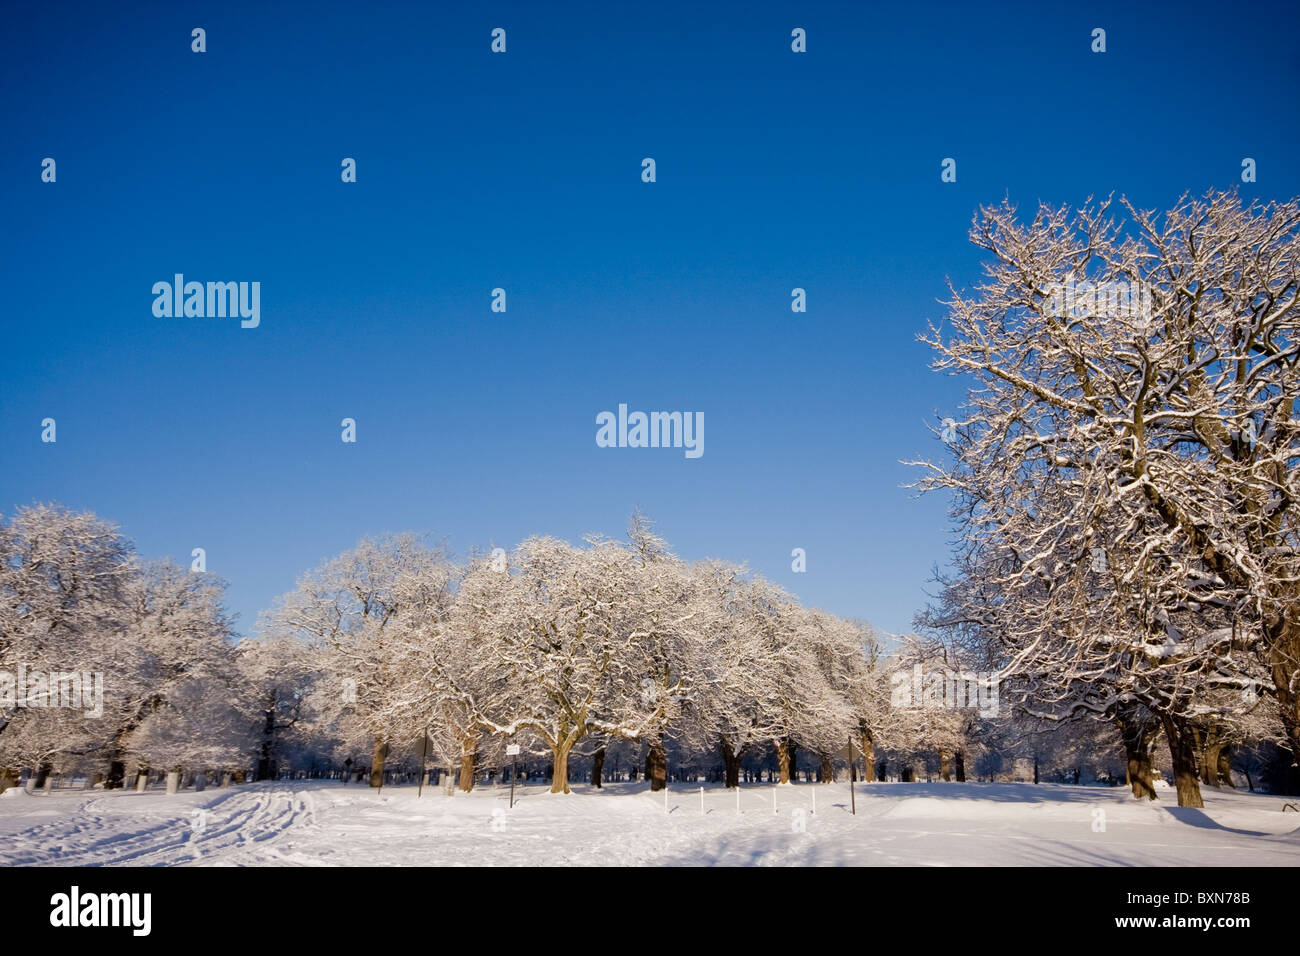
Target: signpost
(512, 750)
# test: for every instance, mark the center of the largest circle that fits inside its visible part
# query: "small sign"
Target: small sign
(512, 750)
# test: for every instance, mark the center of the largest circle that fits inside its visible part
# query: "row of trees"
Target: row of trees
(1124, 479)
(557, 648)
(610, 654)
(567, 649)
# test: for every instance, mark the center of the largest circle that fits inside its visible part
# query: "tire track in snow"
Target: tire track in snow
(235, 822)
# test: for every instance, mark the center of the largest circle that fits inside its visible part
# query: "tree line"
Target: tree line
(394, 655)
(561, 649)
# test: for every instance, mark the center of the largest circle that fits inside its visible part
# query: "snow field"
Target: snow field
(313, 823)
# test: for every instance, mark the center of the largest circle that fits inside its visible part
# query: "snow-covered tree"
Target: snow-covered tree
(63, 581)
(283, 680)
(572, 632)
(735, 668)
(357, 609)
(176, 648)
(1124, 464)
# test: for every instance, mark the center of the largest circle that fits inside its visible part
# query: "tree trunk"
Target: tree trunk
(597, 768)
(1224, 768)
(265, 763)
(115, 779)
(1207, 738)
(1293, 736)
(468, 751)
(1136, 730)
(945, 769)
(794, 758)
(868, 744)
(377, 763)
(116, 776)
(827, 769)
(656, 765)
(731, 761)
(142, 780)
(1182, 750)
(173, 781)
(961, 766)
(1208, 769)
(42, 775)
(1285, 653)
(783, 762)
(560, 770)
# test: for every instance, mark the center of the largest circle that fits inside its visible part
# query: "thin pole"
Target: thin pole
(665, 797)
(701, 800)
(514, 772)
(737, 799)
(853, 801)
(424, 753)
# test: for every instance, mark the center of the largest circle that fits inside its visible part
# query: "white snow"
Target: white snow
(324, 823)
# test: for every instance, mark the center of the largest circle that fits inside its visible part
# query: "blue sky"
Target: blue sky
(522, 171)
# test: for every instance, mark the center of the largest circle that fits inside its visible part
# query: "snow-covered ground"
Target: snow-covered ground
(324, 823)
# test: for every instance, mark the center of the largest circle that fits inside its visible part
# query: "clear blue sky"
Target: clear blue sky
(522, 170)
